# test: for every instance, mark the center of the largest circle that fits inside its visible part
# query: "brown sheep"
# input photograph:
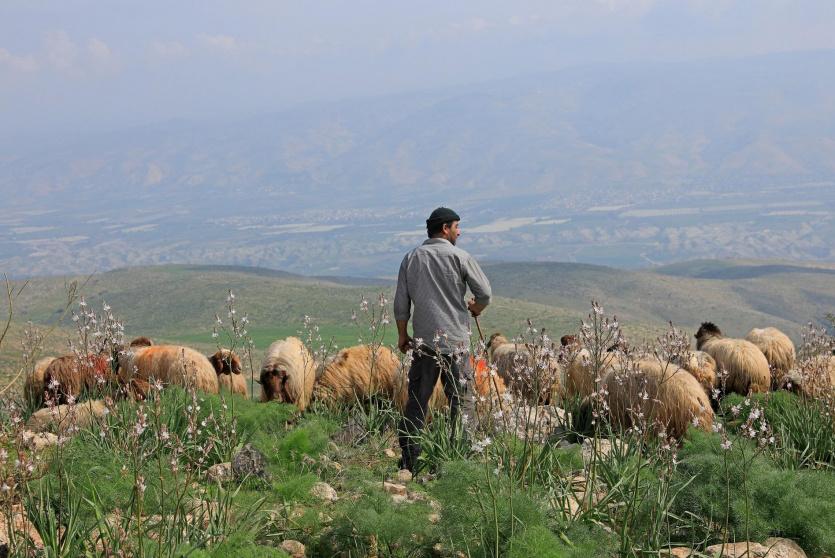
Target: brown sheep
(580, 376)
(228, 367)
(33, 383)
(667, 395)
(361, 372)
(813, 377)
(169, 364)
(745, 365)
(535, 377)
(702, 366)
(66, 377)
(778, 350)
(288, 373)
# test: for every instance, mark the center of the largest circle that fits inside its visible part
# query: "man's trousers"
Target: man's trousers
(423, 375)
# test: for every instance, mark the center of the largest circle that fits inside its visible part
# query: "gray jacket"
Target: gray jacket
(434, 277)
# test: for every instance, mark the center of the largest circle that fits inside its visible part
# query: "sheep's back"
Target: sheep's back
(172, 364)
(777, 348)
(745, 364)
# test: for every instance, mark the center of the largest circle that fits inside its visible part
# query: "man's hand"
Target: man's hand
(404, 342)
(475, 308)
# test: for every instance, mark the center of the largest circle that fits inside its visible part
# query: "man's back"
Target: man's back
(434, 277)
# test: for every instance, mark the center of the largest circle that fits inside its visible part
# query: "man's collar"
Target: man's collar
(436, 241)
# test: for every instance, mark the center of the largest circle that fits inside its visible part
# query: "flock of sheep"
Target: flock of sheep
(677, 394)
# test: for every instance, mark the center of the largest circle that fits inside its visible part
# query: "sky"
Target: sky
(70, 65)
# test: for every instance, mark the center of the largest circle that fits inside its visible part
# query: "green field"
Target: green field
(178, 303)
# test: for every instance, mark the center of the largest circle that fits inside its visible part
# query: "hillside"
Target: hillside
(736, 296)
(179, 302)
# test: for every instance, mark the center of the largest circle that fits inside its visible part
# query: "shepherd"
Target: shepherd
(434, 277)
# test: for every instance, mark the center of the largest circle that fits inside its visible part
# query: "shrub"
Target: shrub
(479, 510)
(578, 542)
(798, 504)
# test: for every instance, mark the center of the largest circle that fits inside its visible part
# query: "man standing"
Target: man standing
(434, 278)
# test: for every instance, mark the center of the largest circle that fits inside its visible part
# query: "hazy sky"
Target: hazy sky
(83, 64)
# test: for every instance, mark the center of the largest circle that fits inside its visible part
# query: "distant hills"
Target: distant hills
(629, 165)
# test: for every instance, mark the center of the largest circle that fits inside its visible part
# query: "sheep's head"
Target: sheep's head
(706, 331)
(274, 384)
(496, 339)
(569, 340)
(141, 342)
(226, 362)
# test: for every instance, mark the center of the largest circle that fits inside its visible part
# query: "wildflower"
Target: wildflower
(695, 421)
(726, 445)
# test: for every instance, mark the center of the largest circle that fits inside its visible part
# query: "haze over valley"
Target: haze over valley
(630, 165)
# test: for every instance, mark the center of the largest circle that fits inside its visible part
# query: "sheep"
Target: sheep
(288, 373)
(535, 376)
(61, 417)
(169, 364)
(580, 374)
(745, 365)
(487, 383)
(664, 393)
(701, 365)
(228, 367)
(778, 350)
(359, 372)
(66, 377)
(813, 377)
(33, 383)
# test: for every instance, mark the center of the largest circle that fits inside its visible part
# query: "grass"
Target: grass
(488, 494)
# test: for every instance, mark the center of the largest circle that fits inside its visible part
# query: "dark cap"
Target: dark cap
(442, 215)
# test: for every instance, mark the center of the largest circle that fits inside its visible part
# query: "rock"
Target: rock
(784, 548)
(38, 441)
(293, 548)
(21, 527)
(390, 453)
(222, 472)
(679, 552)
(404, 475)
(537, 423)
(417, 496)
(325, 492)
(737, 550)
(394, 488)
(604, 448)
(249, 462)
(399, 498)
(61, 417)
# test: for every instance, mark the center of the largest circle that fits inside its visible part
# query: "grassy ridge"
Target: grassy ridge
(736, 296)
(178, 303)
